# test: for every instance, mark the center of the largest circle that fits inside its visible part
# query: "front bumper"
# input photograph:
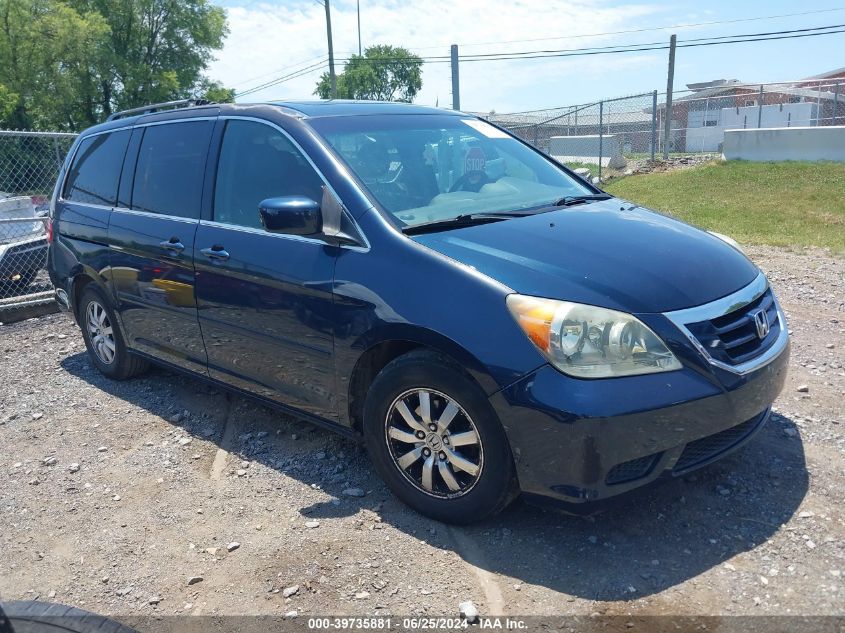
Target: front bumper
(579, 441)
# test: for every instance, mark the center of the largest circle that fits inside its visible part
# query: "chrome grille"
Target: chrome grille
(733, 338)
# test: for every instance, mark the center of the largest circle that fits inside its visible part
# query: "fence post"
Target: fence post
(653, 123)
(536, 134)
(601, 135)
(667, 123)
(760, 109)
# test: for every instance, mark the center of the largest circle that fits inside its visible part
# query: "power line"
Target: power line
(295, 75)
(625, 48)
(643, 30)
(279, 70)
(575, 53)
(581, 52)
(714, 39)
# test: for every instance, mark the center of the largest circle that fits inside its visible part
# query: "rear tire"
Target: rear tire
(103, 339)
(29, 616)
(436, 441)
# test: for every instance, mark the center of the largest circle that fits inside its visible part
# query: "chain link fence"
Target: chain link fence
(29, 166)
(621, 133)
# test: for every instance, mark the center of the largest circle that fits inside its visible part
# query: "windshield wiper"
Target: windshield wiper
(461, 221)
(568, 201)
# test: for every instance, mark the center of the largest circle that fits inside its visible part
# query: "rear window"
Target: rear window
(95, 171)
(170, 167)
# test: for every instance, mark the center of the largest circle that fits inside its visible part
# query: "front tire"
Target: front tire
(436, 441)
(103, 338)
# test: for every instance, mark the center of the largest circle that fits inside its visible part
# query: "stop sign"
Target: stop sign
(475, 160)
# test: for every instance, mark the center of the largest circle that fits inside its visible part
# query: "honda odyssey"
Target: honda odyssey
(485, 320)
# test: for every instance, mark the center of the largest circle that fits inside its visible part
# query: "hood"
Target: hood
(605, 253)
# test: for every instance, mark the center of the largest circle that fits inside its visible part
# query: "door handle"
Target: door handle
(216, 252)
(173, 244)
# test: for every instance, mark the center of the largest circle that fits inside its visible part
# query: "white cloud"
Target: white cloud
(267, 39)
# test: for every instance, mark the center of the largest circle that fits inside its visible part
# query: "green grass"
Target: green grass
(782, 204)
(593, 167)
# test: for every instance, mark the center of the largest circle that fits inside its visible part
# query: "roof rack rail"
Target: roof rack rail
(155, 107)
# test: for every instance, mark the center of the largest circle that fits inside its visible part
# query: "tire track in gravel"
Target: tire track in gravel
(473, 558)
(226, 442)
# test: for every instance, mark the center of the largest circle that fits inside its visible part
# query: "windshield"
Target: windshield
(426, 168)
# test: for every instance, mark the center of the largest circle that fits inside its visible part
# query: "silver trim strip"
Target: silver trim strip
(150, 214)
(284, 236)
(724, 306)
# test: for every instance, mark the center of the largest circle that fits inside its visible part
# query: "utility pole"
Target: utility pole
(358, 3)
(456, 81)
(332, 76)
(667, 123)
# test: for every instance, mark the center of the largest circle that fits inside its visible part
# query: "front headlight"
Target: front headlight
(590, 342)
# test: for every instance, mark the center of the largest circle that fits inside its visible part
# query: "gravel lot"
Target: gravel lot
(163, 495)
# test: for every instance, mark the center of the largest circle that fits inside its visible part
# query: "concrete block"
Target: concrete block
(786, 143)
(585, 149)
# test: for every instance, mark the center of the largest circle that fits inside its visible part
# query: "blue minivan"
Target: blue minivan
(486, 321)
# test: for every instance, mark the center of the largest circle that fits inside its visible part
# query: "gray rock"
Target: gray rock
(233, 546)
(354, 492)
(74, 467)
(154, 600)
(468, 611)
(290, 591)
(362, 595)
(49, 461)
(102, 449)
(803, 389)
(192, 580)
(312, 524)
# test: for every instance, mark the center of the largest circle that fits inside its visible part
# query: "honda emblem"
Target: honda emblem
(761, 320)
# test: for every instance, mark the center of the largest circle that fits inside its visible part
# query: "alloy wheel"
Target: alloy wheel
(434, 443)
(100, 332)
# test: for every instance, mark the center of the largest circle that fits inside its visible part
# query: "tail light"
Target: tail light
(48, 226)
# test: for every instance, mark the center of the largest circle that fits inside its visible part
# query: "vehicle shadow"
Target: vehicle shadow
(648, 542)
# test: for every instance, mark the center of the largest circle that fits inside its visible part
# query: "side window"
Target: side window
(258, 162)
(93, 177)
(169, 172)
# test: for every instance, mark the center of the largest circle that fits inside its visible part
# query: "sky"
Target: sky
(270, 39)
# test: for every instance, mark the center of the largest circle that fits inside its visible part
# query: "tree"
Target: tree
(215, 92)
(74, 62)
(382, 73)
(46, 52)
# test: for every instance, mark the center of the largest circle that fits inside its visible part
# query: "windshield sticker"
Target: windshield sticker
(485, 128)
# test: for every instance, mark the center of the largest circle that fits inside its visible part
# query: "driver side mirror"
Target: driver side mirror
(292, 215)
